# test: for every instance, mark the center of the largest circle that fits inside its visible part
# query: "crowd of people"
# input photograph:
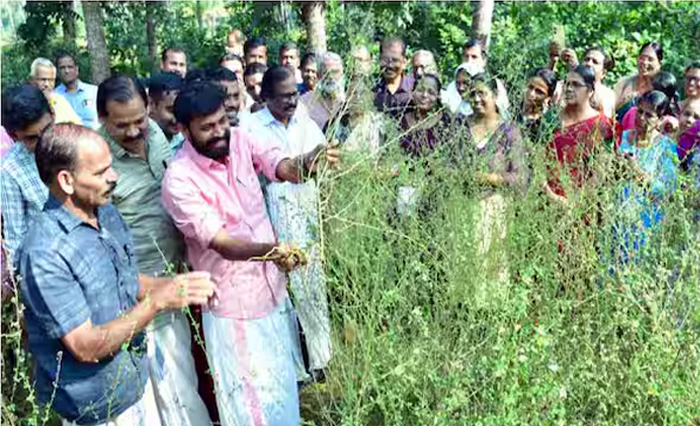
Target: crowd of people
(112, 194)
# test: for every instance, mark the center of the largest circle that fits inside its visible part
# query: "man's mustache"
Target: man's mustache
(139, 137)
(112, 187)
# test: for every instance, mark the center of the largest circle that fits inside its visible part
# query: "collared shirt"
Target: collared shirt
(292, 207)
(83, 101)
(23, 196)
(73, 272)
(176, 143)
(320, 110)
(395, 104)
(203, 197)
(138, 198)
(63, 112)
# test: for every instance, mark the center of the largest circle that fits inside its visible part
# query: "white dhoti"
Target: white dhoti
(173, 373)
(143, 413)
(253, 362)
(294, 217)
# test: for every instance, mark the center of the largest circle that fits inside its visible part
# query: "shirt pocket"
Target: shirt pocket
(98, 277)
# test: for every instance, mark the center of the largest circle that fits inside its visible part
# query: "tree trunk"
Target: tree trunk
(151, 33)
(314, 15)
(97, 46)
(68, 24)
(481, 22)
(198, 14)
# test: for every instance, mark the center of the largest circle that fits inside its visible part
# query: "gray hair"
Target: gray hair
(43, 62)
(423, 52)
(328, 57)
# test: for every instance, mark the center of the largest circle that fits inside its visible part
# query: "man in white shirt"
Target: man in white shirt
(292, 208)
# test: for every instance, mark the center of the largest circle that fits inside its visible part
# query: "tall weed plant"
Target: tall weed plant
(424, 335)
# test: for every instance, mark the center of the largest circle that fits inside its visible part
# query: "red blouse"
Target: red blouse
(573, 146)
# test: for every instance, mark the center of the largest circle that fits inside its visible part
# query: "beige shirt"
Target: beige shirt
(63, 112)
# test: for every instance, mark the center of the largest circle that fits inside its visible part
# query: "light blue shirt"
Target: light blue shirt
(83, 101)
(23, 196)
(176, 143)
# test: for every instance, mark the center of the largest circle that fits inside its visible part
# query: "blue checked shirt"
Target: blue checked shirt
(23, 196)
(72, 273)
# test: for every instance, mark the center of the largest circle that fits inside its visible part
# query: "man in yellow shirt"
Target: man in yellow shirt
(43, 76)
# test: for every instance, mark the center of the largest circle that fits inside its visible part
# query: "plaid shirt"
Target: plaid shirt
(23, 196)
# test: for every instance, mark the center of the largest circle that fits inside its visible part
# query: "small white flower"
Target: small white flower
(562, 392)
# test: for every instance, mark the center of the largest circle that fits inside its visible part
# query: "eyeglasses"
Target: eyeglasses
(389, 61)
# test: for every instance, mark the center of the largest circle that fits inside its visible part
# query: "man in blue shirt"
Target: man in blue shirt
(81, 96)
(26, 114)
(86, 304)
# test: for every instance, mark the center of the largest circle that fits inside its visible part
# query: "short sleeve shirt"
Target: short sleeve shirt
(395, 104)
(73, 272)
(83, 101)
(138, 198)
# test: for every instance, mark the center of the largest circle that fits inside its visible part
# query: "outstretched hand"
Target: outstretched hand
(193, 288)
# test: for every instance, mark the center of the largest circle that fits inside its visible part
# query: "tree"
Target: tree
(314, 15)
(97, 45)
(151, 32)
(68, 18)
(42, 19)
(481, 22)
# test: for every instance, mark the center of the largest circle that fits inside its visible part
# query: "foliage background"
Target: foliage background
(619, 27)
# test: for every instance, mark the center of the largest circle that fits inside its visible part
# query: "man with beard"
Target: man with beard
(393, 93)
(326, 101)
(213, 194)
(292, 208)
(140, 154)
(162, 91)
(25, 115)
(85, 303)
(234, 96)
(80, 95)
